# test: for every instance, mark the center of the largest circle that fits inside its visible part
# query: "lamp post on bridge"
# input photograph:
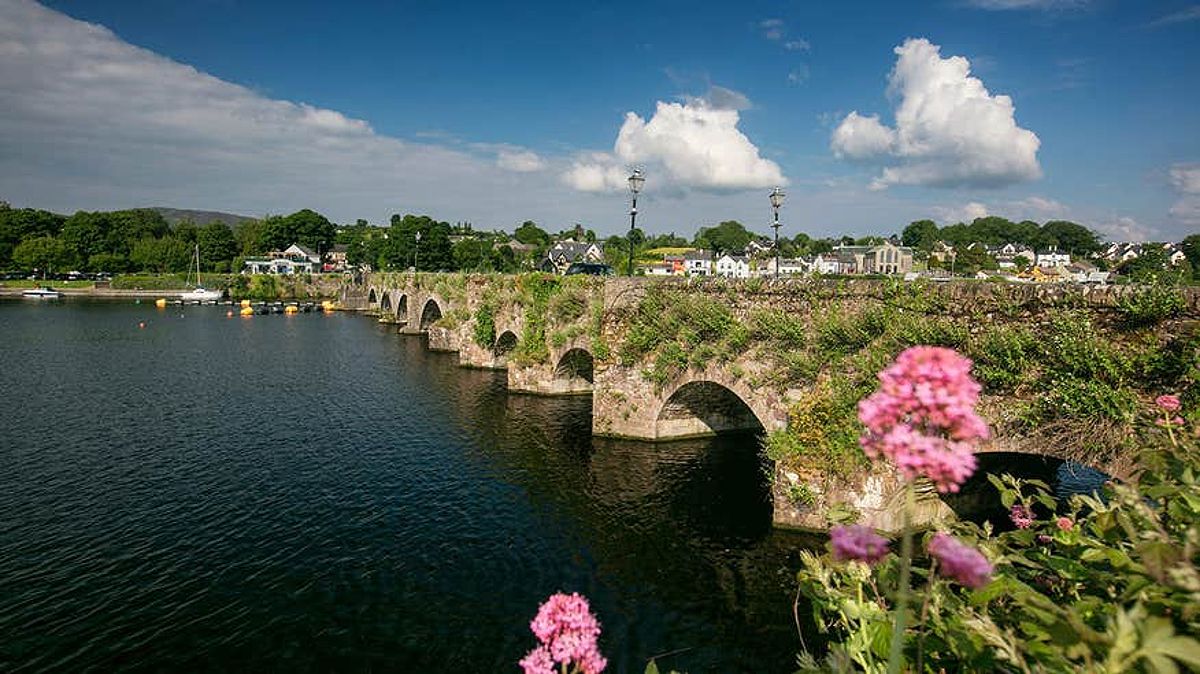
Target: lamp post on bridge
(416, 249)
(636, 180)
(777, 196)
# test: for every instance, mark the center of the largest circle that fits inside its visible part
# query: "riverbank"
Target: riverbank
(315, 287)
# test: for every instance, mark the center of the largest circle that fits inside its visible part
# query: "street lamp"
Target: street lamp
(636, 180)
(416, 249)
(777, 196)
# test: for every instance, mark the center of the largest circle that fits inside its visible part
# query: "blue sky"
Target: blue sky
(493, 114)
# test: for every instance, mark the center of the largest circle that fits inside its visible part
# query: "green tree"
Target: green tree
(1150, 266)
(186, 231)
(311, 230)
(17, 224)
(217, 244)
(113, 263)
(433, 253)
(43, 253)
(967, 261)
(504, 260)
(86, 233)
(471, 254)
(921, 234)
(530, 234)
(1070, 237)
(729, 235)
(167, 254)
(1191, 249)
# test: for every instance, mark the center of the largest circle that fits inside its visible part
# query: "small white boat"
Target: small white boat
(42, 294)
(199, 294)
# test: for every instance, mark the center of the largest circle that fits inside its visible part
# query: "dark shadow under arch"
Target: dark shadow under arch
(575, 364)
(371, 299)
(430, 314)
(385, 302)
(701, 408)
(505, 343)
(402, 308)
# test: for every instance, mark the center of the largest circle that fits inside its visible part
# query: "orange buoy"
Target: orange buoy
(160, 302)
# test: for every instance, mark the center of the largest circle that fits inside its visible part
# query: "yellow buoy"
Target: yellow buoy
(291, 309)
(247, 311)
(160, 302)
(245, 303)
(327, 305)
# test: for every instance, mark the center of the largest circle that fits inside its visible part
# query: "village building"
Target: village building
(564, 253)
(697, 263)
(295, 259)
(733, 266)
(881, 258)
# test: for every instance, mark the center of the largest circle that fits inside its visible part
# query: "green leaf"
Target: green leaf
(1183, 649)
(651, 668)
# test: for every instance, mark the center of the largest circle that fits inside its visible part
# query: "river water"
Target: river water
(317, 493)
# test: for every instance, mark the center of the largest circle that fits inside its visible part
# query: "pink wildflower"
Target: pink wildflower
(857, 542)
(1169, 403)
(1065, 523)
(960, 561)
(538, 661)
(568, 632)
(1021, 516)
(923, 416)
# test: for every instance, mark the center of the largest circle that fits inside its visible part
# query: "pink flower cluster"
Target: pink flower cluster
(1021, 516)
(568, 632)
(1168, 403)
(923, 416)
(857, 542)
(960, 561)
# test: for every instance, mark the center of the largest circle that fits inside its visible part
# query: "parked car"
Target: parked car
(589, 268)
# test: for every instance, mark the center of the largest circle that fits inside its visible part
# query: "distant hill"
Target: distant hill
(174, 216)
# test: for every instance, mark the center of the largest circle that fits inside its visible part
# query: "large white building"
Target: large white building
(733, 266)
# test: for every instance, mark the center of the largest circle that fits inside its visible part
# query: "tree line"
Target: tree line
(141, 240)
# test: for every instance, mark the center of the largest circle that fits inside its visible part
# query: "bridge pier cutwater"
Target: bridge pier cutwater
(571, 336)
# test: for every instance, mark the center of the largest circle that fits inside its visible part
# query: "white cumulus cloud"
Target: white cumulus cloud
(521, 161)
(1185, 178)
(967, 213)
(690, 145)
(950, 131)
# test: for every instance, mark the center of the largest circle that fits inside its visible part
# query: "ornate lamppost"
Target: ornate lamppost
(777, 196)
(636, 180)
(416, 249)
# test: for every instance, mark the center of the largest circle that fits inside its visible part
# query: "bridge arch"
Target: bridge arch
(385, 302)
(372, 298)
(708, 405)
(431, 312)
(575, 364)
(505, 343)
(402, 308)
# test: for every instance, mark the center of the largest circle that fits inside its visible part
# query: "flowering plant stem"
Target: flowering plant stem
(896, 654)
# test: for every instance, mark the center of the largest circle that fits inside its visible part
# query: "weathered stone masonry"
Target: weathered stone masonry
(722, 395)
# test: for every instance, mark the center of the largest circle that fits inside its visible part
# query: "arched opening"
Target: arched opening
(385, 303)
(978, 500)
(575, 364)
(371, 298)
(430, 314)
(402, 308)
(702, 408)
(505, 343)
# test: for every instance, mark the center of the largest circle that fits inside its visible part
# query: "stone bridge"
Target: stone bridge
(586, 335)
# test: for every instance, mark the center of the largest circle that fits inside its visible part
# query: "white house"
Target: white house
(733, 266)
(295, 259)
(1053, 258)
(826, 264)
(656, 269)
(787, 267)
(697, 263)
